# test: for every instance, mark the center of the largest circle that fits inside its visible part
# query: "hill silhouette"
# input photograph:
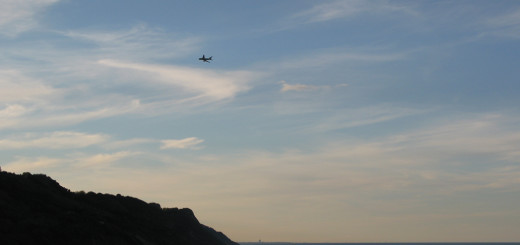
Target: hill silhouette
(35, 209)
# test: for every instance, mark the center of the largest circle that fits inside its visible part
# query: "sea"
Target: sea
(404, 243)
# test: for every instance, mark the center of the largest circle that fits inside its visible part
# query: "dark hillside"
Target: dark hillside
(35, 209)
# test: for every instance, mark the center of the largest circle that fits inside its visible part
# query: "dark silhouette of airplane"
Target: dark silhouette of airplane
(204, 59)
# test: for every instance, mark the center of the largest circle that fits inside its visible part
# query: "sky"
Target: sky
(316, 121)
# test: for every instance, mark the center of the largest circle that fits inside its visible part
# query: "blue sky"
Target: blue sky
(317, 121)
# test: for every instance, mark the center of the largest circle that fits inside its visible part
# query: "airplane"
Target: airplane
(204, 59)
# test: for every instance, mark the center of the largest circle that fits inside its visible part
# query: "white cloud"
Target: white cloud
(330, 57)
(52, 115)
(77, 140)
(64, 115)
(187, 143)
(348, 118)
(54, 140)
(13, 111)
(286, 87)
(510, 19)
(296, 87)
(18, 88)
(19, 15)
(72, 164)
(102, 160)
(506, 25)
(202, 85)
(492, 135)
(34, 165)
(329, 11)
(129, 143)
(139, 42)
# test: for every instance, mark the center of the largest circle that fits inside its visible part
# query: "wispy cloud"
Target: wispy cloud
(19, 15)
(505, 25)
(28, 164)
(77, 140)
(363, 116)
(491, 135)
(329, 11)
(71, 163)
(296, 87)
(11, 111)
(187, 143)
(327, 57)
(102, 160)
(19, 88)
(54, 140)
(286, 87)
(12, 115)
(140, 42)
(53, 115)
(203, 85)
(122, 144)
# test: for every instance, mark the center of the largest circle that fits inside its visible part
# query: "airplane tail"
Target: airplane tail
(210, 58)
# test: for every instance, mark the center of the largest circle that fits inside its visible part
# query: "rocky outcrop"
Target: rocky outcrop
(35, 209)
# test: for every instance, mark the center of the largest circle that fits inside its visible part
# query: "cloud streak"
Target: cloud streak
(296, 87)
(205, 86)
(286, 87)
(102, 160)
(349, 118)
(331, 57)
(505, 25)
(187, 143)
(19, 15)
(19, 88)
(60, 140)
(140, 42)
(55, 140)
(335, 10)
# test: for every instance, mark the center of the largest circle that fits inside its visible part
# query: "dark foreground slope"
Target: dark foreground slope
(35, 209)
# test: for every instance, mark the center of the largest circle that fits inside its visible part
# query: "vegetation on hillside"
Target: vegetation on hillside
(35, 209)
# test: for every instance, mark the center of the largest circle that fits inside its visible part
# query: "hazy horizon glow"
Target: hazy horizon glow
(316, 121)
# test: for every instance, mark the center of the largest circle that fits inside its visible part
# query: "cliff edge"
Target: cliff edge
(35, 209)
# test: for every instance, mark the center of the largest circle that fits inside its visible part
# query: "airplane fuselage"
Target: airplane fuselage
(204, 59)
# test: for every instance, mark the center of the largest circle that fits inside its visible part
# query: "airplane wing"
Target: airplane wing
(205, 59)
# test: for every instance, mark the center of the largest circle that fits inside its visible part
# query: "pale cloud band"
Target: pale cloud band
(18, 15)
(61, 140)
(55, 140)
(204, 84)
(286, 87)
(296, 87)
(187, 143)
(140, 42)
(333, 10)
